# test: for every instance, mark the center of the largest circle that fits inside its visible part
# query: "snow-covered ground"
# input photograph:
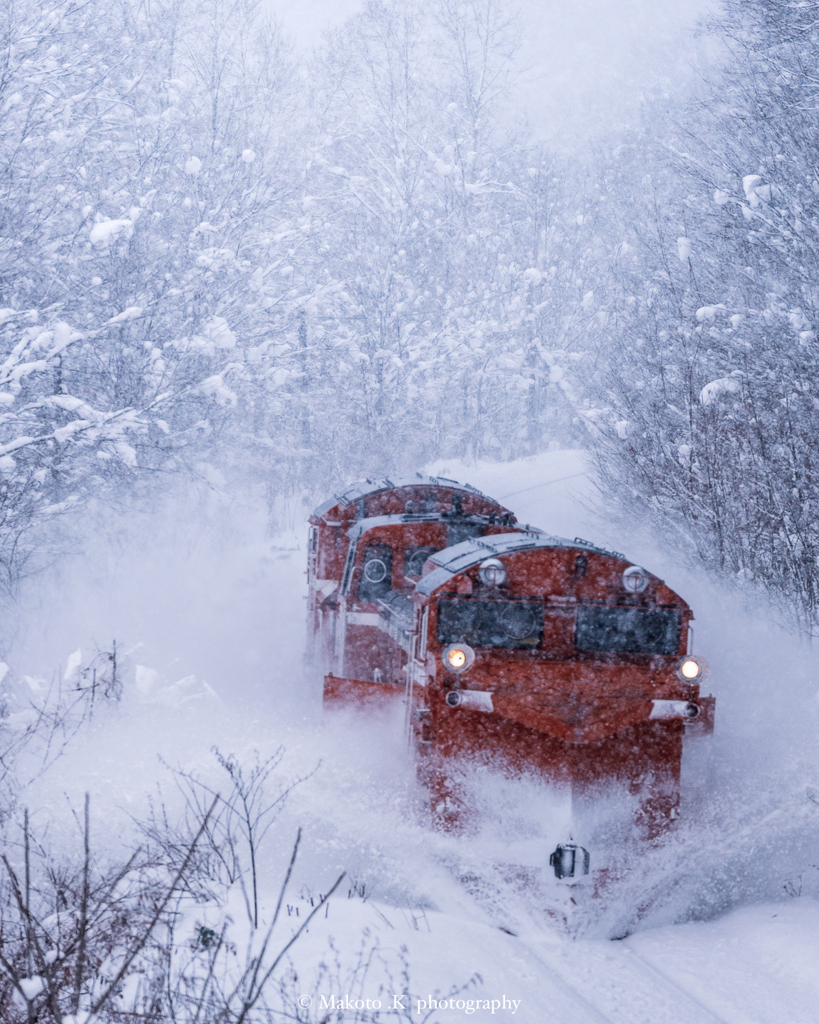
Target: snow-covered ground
(723, 920)
(753, 966)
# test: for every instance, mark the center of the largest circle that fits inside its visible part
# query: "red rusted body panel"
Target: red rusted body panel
(579, 717)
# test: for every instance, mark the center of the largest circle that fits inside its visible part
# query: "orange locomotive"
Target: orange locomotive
(540, 654)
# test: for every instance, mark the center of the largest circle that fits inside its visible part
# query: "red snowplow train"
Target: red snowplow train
(541, 654)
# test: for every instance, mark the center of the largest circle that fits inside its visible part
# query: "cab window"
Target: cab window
(628, 630)
(459, 530)
(414, 558)
(512, 624)
(376, 572)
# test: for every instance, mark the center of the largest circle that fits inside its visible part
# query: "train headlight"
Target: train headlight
(691, 668)
(635, 579)
(458, 657)
(492, 572)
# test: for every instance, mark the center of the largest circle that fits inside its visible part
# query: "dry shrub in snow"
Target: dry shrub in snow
(84, 940)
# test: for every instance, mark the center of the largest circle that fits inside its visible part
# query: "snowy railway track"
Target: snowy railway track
(613, 984)
(590, 1013)
(676, 986)
(604, 982)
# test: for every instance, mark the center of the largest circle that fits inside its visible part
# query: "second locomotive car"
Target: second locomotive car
(369, 545)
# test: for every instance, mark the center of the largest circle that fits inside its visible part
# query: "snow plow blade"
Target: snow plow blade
(360, 694)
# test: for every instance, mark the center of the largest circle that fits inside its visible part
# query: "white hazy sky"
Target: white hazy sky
(588, 61)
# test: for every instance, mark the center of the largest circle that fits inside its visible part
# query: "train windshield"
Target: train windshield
(414, 559)
(628, 630)
(514, 624)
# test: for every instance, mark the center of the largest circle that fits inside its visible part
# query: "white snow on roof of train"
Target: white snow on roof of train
(361, 526)
(365, 487)
(462, 556)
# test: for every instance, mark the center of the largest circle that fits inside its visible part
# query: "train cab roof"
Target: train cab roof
(470, 553)
(362, 526)
(413, 494)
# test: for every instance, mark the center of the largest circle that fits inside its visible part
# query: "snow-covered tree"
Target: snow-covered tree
(708, 402)
(431, 327)
(214, 260)
(144, 176)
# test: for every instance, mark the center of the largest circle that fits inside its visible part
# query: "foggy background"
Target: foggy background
(586, 65)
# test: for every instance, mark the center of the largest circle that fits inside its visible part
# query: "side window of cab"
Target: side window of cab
(414, 558)
(375, 580)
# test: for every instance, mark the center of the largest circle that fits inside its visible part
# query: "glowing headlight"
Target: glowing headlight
(458, 657)
(690, 668)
